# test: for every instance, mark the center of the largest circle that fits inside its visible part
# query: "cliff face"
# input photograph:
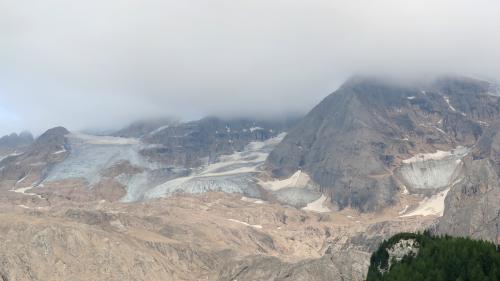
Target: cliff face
(353, 142)
(28, 167)
(14, 142)
(472, 207)
(200, 142)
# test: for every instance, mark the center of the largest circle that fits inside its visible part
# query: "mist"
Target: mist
(103, 64)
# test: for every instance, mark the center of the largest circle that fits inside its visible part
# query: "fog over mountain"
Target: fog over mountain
(101, 64)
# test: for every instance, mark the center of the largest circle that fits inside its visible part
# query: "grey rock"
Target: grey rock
(15, 142)
(345, 266)
(471, 207)
(353, 140)
(200, 142)
(33, 164)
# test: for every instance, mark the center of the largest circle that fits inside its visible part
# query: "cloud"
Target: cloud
(104, 63)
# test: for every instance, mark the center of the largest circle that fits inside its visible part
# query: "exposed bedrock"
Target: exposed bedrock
(472, 206)
(354, 141)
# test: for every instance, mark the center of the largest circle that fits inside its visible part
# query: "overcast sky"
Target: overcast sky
(104, 63)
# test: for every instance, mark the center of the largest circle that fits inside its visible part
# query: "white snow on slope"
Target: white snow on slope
(159, 130)
(251, 200)
(23, 191)
(318, 205)
(298, 179)
(244, 223)
(21, 180)
(432, 206)
(438, 155)
(255, 129)
(447, 100)
(10, 155)
(62, 150)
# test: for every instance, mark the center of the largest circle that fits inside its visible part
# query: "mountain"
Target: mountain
(14, 142)
(358, 144)
(422, 257)
(243, 199)
(195, 143)
(472, 207)
(206, 155)
(28, 167)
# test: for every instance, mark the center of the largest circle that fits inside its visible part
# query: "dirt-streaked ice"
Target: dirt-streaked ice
(233, 173)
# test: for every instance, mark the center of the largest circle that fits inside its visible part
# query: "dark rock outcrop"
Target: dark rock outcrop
(15, 142)
(28, 168)
(186, 144)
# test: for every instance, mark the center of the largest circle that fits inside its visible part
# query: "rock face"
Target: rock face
(199, 142)
(140, 129)
(344, 266)
(15, 142)
(214, 236)
(146, 160)
(472, 207)
(28, 168)
(353, 143)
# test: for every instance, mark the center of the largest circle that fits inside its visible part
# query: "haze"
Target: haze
(102, 64)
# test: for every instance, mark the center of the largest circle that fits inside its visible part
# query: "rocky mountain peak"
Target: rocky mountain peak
(52, 139)
(356, 138)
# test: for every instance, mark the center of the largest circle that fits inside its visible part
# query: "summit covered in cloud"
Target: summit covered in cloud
(88, 64)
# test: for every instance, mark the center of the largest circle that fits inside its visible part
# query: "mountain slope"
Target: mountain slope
(27, 168)
(353, 143)
(14, 142)
(472, 207)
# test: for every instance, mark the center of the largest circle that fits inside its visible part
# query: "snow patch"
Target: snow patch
(23, 191)
(63, 150)
(298, 179)
(159, 130)
(14, 154)
(439, 130)
(438, 155)
(317, 206)
(244, 223)
(21, 180)
(255, 129)
(447, 100)
(251, 200)
(431, 206)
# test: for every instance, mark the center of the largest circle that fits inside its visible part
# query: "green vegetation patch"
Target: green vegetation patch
(433, 258)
